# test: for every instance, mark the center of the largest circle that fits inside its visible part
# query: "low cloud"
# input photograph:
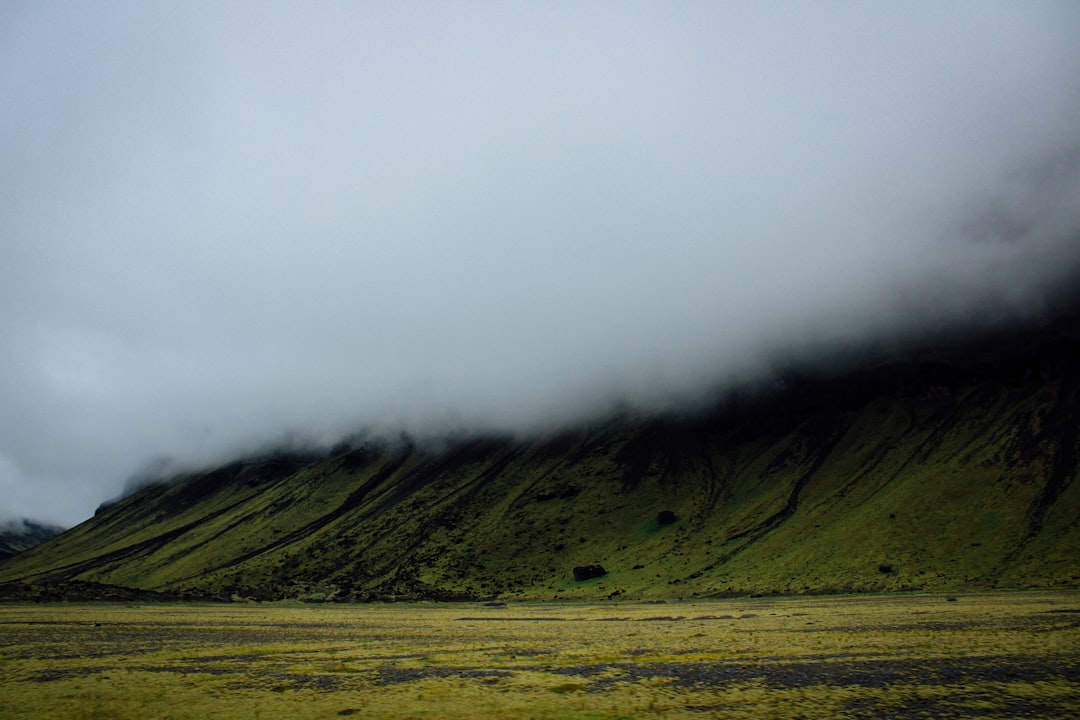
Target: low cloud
(226, 225)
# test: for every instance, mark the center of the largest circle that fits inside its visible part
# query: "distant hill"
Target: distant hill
(19, 535)
(951, 467)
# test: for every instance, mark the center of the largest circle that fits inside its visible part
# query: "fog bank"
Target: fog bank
(223, 225)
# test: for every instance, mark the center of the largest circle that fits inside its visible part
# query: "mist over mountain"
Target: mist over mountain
(229, 228)
(19, 535)
(950, 467)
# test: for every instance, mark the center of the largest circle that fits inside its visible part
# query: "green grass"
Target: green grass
(989, 655)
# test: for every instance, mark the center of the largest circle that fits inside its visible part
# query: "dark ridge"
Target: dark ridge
(21, 535)
(81, 591)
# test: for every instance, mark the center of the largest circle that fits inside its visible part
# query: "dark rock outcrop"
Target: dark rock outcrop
(588, 572)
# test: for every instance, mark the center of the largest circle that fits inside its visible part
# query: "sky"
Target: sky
(226, 224)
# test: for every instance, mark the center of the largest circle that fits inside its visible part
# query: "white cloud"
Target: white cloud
(226, 223)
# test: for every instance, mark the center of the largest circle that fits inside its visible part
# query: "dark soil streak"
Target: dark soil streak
(860, 674)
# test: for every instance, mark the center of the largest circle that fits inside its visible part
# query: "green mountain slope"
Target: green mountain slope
(952, 470)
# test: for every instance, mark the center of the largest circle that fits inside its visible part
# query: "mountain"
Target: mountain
(949, 467)
(19, 535)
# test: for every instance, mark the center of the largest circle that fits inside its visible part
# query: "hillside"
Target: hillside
(20, 535)
(946, 469)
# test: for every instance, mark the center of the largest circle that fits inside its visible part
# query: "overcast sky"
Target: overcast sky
(225, 222)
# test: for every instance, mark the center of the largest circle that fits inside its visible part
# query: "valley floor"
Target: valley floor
(993, 655)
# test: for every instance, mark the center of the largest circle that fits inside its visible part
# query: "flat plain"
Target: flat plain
(993, 655)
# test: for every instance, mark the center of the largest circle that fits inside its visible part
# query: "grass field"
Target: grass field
(997, 655)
